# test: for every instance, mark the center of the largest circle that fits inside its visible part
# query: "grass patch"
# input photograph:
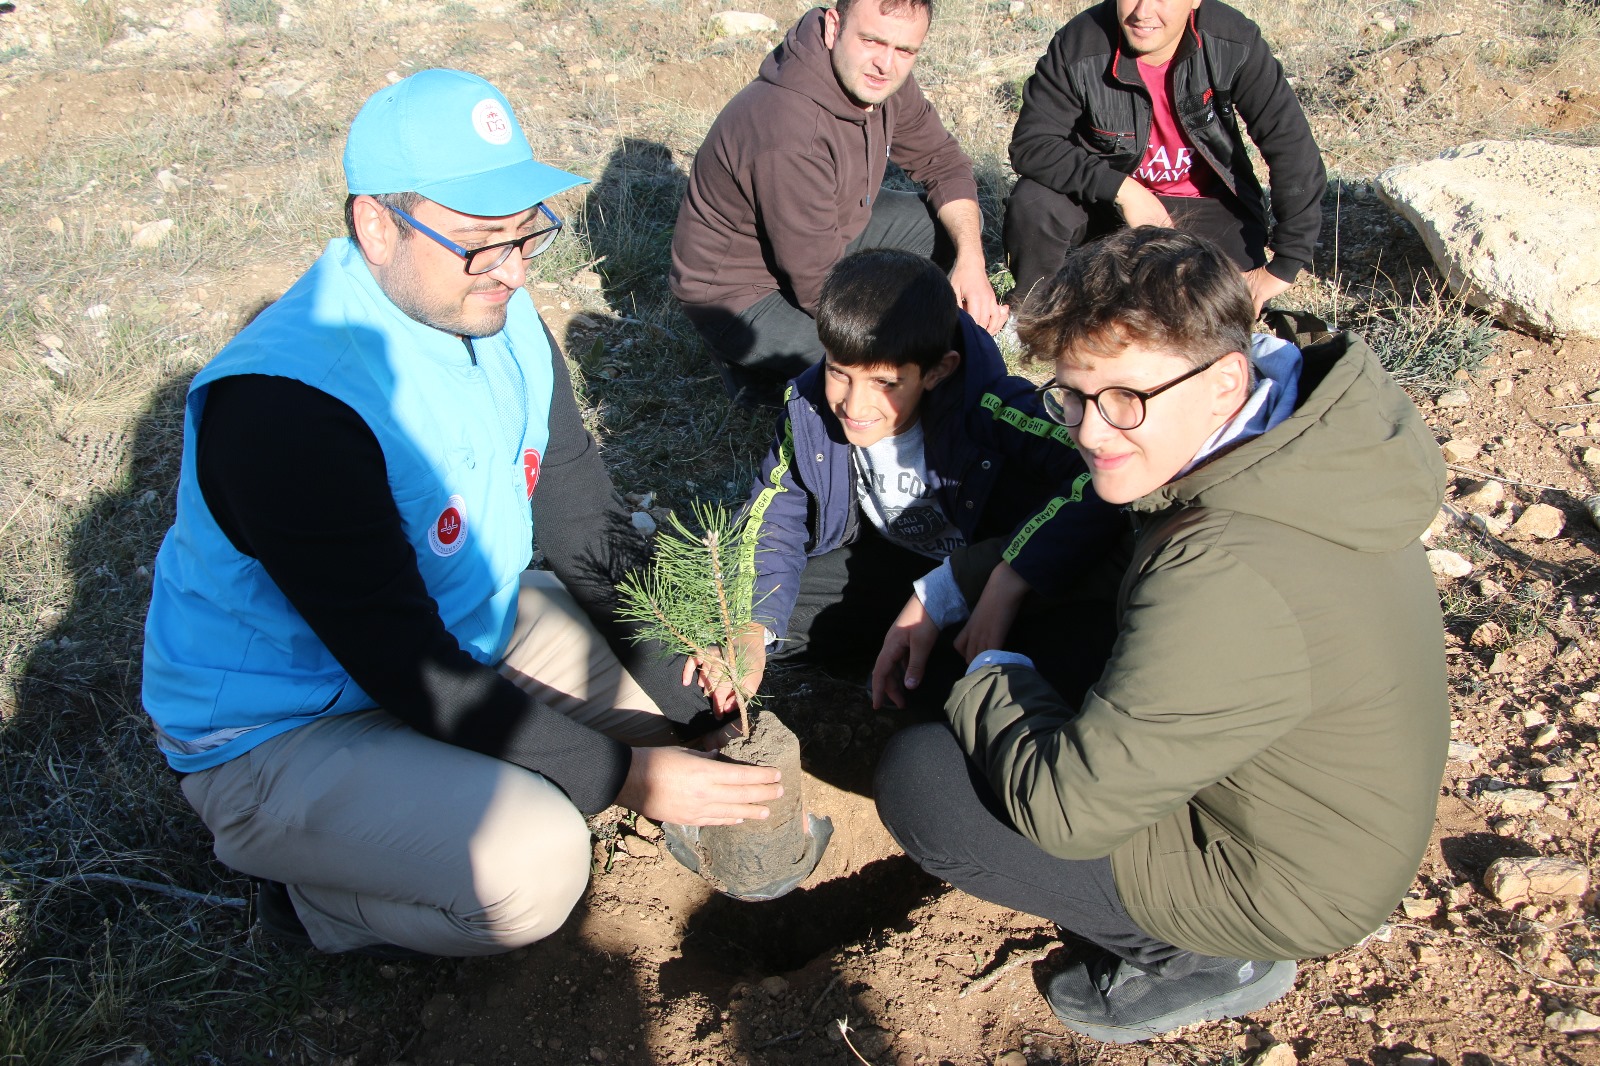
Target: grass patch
(252, 12)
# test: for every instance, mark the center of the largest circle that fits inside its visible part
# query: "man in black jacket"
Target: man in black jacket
(1131, 117)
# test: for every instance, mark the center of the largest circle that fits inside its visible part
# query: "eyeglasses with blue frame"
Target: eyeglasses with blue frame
(493, 256)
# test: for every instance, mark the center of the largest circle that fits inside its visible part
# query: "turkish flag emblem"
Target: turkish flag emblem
(530, 469)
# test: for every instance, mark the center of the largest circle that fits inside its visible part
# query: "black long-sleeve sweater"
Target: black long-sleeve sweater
(297, 481)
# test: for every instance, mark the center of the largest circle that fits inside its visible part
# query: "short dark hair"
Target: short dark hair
(405, 201)
(887, 7)
(1158, 288)
(887, 307)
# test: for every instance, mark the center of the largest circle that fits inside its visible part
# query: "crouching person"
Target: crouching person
(1252, 778)
(378, 712)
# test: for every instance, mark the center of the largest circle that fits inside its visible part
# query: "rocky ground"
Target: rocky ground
(228, 118)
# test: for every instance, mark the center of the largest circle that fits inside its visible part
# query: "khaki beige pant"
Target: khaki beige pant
(385, 836)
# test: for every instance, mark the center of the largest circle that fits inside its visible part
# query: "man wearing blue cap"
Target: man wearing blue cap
(376, 709)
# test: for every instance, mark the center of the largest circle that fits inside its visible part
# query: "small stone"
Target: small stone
(1533, 717)
(1358, 1013)
(1384, 23)
(1461, 751)
(1574, 1020)
(202, 23)
(643, 522)
(587, 279)
(1570, 430)
(1502, 387)
(1488, 635)
(1453, 398)
(58, 227)
(1448, 564)
(597, 1054)
(437, 1010)
(1420, 910)
(1012, 1058)
(1512, 882)
(1545, 737)
(1591, 504)
(1556, 775)
(639, 849)
(1016, 8)
(96, 311)
(1489, 588)
(1425, 954)
(737, 23)
(1502, 663)
(1540, 521)
(150, 234)
(1460, 451)
(646, 828)
(774, 986)
(1591, 457)
(252, 92)
(167, 181)
(1519, 801)
(1483, 497)
(50, 342)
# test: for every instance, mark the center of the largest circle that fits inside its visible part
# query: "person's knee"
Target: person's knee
(907, 786)
(1036, 213)
(525, 891)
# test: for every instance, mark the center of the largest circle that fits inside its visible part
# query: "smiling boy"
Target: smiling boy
(907, 445)
(1252, 778)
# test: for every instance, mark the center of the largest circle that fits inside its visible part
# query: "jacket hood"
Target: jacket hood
(803, 64)
(1353, 464)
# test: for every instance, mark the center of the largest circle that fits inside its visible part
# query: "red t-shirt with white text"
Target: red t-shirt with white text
(1170, 166)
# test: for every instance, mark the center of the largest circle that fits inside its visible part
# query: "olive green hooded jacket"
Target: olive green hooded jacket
(1261, 757)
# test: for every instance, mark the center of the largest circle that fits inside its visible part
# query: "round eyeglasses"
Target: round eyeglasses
(493, 256)
(1121, 407)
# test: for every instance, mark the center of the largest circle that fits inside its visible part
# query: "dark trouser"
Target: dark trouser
(1043, 225)
(940, 809)
(849, 597)
(772, 340)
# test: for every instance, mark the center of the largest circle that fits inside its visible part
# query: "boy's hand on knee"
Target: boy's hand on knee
(697, 788)
(991, 620)
(904, 656)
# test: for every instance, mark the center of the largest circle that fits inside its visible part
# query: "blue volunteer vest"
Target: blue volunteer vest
(228, 662)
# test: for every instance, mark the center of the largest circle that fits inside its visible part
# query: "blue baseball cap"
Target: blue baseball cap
(451, 137)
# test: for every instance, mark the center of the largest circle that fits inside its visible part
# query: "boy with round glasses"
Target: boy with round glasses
(1252, 778)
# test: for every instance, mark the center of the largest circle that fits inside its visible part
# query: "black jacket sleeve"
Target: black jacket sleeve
(297, 481)
(588, 539)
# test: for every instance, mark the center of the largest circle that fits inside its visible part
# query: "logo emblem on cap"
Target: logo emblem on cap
(449, 532)
(492, 121)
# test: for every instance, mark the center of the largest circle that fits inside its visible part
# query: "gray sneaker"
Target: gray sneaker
(1104, 997)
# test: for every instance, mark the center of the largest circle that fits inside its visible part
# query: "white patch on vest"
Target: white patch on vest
(449, 532)
(491, 121)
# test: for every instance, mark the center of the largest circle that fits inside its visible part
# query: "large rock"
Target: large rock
(1515, 881)
(1514, 226)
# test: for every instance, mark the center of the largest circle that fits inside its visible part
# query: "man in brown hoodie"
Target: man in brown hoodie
(788, 181)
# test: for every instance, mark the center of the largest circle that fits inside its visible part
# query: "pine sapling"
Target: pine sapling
(696, 597)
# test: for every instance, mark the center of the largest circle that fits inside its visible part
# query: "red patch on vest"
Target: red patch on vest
(530, 469)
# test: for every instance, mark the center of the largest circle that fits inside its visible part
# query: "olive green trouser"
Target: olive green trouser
(385, 836)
